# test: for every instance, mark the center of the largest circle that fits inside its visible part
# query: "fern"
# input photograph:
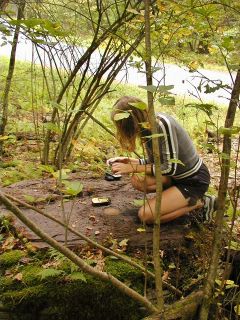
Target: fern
(56, 254)
(49, 273)
(77, 276)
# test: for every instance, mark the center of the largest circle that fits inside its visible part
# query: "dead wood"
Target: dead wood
(184, 309)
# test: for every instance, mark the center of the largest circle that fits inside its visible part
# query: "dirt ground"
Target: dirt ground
(118, 220)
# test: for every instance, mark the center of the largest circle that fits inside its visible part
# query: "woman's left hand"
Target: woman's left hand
(121, 168)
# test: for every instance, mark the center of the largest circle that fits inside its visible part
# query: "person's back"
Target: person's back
(175, 145)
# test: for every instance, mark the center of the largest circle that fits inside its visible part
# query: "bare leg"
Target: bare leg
(148, 183)
(173, 206)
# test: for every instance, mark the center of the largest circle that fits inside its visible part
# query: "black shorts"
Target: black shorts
(194, 187)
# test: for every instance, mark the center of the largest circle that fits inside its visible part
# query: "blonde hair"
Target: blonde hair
(128, 129)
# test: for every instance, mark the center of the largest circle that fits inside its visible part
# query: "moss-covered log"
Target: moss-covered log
(66, 294)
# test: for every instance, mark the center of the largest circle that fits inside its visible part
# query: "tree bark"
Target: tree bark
(225, 168)
(182, 309)
(3, 4)
(156, 156)
(4, 113)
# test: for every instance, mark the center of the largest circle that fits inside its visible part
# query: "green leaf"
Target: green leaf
(50, 272)
(172, 266)
(113, 258)
(228, 43)
(29, 198)
(139, 105)
(237, 309)
(177, 161)
(56, 105)
(52, 127)
(46, 168)
(150, 88)
(229, 131)
(167, 101)
(230, 284)
(224, 156)
(205, 107)
(77, 276)
(234, 246)
(155, 69)
(165, 89)
(131, 10)
(145, 125)
(63, 172)
(43, 25)
(2, 138)
(120, 116)
(218, 282)
(138, 202)
(123, 243)
(72, 188)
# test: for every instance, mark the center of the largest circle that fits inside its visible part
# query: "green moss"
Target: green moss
(8, 259)
(12, 298)
(72, 300)
(60, 297)
(31, 274)
(5, 283)
(122, 270)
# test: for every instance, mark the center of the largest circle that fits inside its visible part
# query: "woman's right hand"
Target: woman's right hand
(122, 160)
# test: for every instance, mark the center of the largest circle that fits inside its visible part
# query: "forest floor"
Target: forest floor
(117, 220)
(93, 221)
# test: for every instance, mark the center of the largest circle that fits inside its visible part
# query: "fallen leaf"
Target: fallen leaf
(97, 233)
(8, 273)
(25, 260)
(165, 276)
(18, 276)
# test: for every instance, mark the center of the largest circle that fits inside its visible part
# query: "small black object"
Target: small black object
(101, 201)
(112, 177)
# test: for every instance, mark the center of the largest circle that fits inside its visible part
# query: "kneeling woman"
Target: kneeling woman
(184, 182)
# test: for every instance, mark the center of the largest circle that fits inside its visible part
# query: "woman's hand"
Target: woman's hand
(122, 160)
(121, 168)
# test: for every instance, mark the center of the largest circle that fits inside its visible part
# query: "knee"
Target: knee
(145, 216)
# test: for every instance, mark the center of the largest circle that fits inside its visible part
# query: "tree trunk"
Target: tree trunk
(3, 4)
(4, 113)
(156, 156)
(225, 168)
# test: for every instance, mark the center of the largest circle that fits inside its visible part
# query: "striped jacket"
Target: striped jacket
(179, 157)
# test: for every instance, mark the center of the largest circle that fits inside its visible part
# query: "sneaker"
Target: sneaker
(209, 207)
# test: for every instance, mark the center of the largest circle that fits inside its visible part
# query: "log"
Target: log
(184, 309)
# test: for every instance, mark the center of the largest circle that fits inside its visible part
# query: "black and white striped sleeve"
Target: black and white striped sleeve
(168, 146)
